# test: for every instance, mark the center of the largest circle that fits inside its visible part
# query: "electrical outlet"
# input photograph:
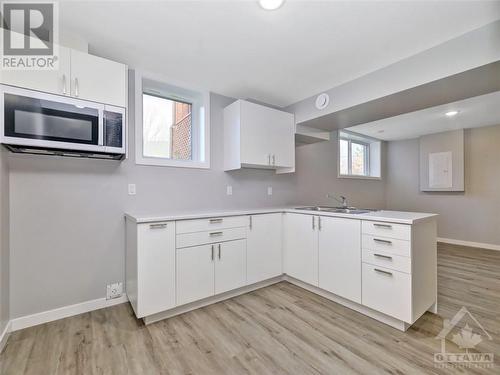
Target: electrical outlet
(229, 190)
(114, 290)
(269, 190)
(131, 189)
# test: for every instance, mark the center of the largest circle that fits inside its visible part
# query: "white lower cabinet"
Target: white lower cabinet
(151, 267)
(205, 270)
(387, 291)
(264, 247)
(230, 266)
(340, 257)
(195, 273)
(301, 247)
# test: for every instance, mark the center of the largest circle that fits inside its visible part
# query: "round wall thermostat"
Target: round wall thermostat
(322, 101)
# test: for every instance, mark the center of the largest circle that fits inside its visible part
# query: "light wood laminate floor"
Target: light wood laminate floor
(281, 329)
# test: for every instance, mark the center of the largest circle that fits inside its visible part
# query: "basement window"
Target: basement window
(174, 126)
(358, 156)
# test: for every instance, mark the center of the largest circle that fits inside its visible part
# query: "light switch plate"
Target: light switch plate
(229, 190)
(131, 189)
(269, 190)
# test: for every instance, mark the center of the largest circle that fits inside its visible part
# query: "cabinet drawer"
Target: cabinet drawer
(386, 245)
(383, 259)
(213, 236)
(376, 228)
(387, 291)
(211, 224)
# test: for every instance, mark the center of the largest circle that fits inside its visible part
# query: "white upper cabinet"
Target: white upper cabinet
(256, 136)
(340, 257)
(51, 81)
(264, 247)
(301, 247)
(79, 75)
(97, 79)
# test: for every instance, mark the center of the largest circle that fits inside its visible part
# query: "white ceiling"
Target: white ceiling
(472, 113)
(278, 57)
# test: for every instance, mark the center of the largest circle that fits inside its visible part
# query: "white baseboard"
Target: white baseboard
(64, 312)
(480, 245)
(4, 336)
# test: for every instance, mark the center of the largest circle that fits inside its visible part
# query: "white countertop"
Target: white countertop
(400, 217)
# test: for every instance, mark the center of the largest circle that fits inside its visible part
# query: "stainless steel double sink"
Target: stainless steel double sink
(338, 210)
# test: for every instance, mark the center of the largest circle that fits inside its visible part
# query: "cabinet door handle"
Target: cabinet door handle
(215, 234)
(319, 222)
(382, 271)
(212, 252)
(77, 91)
(215, 221)
(219, 251)
(382, 256)
(274, 159)
(250, 222)
(269, 159)
(313, 223)
(158, 226)
(383, 225)
(64, 84)
(382, 241)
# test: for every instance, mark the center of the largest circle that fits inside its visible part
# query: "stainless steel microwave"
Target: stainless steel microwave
(40, 123)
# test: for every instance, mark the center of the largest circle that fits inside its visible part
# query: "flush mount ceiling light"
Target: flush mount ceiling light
(271, 4)
(451, 113)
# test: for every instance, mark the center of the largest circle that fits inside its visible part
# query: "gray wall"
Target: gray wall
(469, 216)
(316, 173)
(4, 240)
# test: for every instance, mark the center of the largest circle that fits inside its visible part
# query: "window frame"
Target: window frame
(367, 161)
(200, 123)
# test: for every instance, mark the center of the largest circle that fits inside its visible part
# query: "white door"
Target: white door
(51, 81)
(283, 140)
(264, 247)
(195, 273)
(256, 127)
(301, 247)
(155, 267)
(230, 265)
(340, 257)
(97, 79)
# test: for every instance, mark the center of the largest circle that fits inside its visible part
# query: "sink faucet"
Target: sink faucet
(342, 200)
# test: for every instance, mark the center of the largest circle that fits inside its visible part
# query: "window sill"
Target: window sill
(356, 177)
(159, 162)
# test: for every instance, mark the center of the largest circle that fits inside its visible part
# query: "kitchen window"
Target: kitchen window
(174, 129)
(358, 156)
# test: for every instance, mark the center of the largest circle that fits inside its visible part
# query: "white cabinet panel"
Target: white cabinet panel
(195, 273)
(387, 291)
(256, 136)
(97, 79)
(215, 236)
(387, 245)
(340, 257)
(51, 81)
(380, 228)
(264, 247)
(257, 129)
(210, 224)
(301, 247)
(155, 267)
(230, 266)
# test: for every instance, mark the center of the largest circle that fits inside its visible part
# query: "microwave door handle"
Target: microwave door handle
(101, 127)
